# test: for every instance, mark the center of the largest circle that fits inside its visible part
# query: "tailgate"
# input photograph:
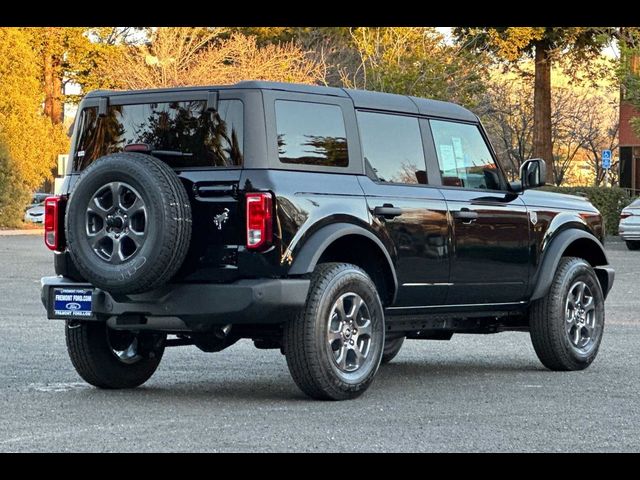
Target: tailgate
(217, 225)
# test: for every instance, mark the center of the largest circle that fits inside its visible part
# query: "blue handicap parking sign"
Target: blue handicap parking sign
(606, 159)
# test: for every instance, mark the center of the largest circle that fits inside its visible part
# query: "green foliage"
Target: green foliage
(416, 61)
(30, 142)
(510, 44)
(629, 70)
(13, 196)
(610, 202)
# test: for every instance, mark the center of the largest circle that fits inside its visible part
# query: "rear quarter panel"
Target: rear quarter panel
(304, 203)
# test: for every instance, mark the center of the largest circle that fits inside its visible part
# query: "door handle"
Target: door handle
(466, 215)
(387, 211)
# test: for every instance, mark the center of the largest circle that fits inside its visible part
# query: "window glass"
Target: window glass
(463, 156)
(194, 136)
(392, 147)
(311, 134)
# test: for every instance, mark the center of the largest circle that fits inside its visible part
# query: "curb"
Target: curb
(13, 233)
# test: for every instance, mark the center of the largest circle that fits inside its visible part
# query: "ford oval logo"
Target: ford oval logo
(73, 306)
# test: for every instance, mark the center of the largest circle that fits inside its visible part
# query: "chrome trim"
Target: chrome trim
(443, 284)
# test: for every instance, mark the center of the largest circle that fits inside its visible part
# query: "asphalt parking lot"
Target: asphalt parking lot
(473, 393)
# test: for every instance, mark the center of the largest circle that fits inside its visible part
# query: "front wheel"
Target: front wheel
(566, 325)
(334, 346)
(108, 358)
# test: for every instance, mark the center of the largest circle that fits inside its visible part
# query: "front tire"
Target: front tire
(113, 359)
(334, 345)
(566, 325)
(392, 347)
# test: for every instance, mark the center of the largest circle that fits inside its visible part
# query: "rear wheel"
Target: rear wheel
(108, 358)
(334, 346)
(392, 347)
(567, 324)
(633, 244)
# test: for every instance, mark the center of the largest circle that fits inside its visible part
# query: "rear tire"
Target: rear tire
(633, 244)
(334, 345)
(112, 359)
(391, 349)
(566, 325)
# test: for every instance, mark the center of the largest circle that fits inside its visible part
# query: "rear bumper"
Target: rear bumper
(629, 231)
(198, 306)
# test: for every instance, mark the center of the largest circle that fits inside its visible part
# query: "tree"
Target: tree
(567, 111)
(598, 130)
(415, 61)
(584, 121)
(629, 70)
(175, 56)
(544, 45)
(506, 110)
(12, 196)
(29, 140)
(73, 55)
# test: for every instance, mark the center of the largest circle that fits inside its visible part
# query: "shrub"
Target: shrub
(609, 200)
(14, 197)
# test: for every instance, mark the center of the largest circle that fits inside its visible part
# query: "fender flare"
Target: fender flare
(307, 258)
(553, 255)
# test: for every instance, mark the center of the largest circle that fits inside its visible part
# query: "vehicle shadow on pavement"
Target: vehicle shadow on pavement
(457, 368)
(280, 387)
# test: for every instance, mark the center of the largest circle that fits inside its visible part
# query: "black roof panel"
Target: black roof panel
(437, 108)
(382, 101)
(361, 98)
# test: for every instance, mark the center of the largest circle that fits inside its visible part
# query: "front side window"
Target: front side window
(311, 134)
(187, 133)
(392, 148)
(463, 156)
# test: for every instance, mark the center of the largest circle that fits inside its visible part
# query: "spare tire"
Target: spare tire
(128, 223)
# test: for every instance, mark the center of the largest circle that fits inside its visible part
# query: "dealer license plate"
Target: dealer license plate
(72, 302)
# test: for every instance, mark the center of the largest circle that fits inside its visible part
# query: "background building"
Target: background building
(629, 150)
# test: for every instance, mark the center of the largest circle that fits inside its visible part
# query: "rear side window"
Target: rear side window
(188, 134)
(392, 148)
(311, 134)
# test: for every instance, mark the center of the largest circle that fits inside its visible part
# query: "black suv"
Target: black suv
(328, 223)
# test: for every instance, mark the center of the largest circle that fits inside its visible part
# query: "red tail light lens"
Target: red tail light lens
(624, 215)
(53, 223)
(259, 220)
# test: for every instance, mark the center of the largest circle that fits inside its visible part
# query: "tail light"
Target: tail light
(259, 220)
(54, 223)
(624, 215)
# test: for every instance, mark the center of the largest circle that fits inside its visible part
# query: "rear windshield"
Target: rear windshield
(183, 134)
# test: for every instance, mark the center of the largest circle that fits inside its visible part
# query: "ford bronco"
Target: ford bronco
(329, 223)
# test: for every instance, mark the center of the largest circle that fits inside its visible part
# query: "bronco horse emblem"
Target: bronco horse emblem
(220, 219)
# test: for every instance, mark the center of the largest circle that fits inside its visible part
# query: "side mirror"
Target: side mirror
(533, 173)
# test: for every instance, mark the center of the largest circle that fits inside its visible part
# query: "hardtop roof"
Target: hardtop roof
(361, 98)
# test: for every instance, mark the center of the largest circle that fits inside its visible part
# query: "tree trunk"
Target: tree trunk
(542, 146)
(53, 106)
